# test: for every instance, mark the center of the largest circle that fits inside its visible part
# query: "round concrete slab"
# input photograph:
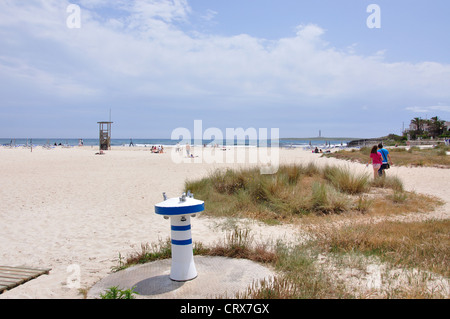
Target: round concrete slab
(217, 277)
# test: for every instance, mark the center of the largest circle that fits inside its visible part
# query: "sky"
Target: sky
(344, 67)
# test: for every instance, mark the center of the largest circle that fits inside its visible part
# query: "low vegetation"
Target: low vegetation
(116, 293)
(413, 156)
(415, 244)
(413, 256)
(296, 191)
(422, 246)
(237, 244)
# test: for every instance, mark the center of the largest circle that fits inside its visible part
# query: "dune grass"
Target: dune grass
(422, 246)
(414, 244)
(296, 191)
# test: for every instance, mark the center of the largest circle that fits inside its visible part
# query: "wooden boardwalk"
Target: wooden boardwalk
(11, 277)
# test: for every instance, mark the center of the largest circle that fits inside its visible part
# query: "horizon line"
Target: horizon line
(160, 138)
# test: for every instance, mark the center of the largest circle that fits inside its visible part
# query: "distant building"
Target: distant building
(426, 127)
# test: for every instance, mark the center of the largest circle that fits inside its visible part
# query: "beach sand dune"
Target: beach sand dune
(74, 212)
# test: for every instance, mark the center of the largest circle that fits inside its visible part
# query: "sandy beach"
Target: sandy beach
(68, 209)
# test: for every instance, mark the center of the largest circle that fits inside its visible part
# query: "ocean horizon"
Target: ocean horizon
(149, 142)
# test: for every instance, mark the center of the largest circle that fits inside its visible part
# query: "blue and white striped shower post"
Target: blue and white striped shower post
(180, 210)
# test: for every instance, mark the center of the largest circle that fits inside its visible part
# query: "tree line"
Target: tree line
(432, 128)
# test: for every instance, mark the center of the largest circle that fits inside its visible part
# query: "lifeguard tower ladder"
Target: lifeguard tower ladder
(105, 135)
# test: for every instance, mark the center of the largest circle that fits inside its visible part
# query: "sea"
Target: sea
(149, 142)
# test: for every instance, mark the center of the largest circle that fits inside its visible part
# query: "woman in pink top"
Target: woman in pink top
(377, 160)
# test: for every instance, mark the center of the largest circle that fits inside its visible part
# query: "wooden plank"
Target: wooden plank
(9, 285)
(11, 274)
(19, 274)
(7, 281)
(23, 269)
(11, 277)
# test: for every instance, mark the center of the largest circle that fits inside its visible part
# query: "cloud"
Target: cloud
(209, 15)
(146, 46)
(429, 109)
(309, 32)
(143, 51)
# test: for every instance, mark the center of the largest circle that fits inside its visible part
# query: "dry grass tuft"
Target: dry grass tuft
(425, 245)
(346, 181)
(297, 191)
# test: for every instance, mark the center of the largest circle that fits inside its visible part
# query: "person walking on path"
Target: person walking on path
(375, 156)
(386, 160)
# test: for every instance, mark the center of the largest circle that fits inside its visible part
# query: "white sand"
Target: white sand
(70, 210)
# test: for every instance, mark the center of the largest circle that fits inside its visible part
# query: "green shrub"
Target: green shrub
(116, 293)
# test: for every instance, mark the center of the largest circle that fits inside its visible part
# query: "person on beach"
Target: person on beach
(188, 150)
(386, 160)
(377, 160)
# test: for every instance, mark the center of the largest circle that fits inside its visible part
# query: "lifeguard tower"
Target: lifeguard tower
(104, 135)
